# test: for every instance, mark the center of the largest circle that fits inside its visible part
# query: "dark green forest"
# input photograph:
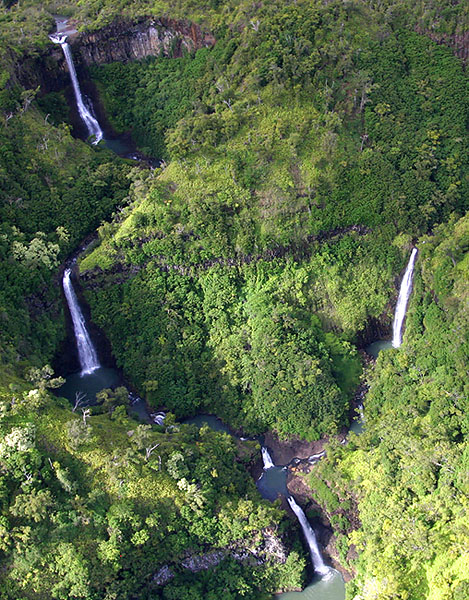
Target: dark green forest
(302, 156)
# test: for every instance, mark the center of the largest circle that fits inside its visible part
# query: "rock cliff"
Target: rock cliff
(125, 41)
(270, 546)
(458, 42)
(121, 41)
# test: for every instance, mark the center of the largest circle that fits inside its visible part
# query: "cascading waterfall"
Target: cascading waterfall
(361, 412)
(267, 459)
(403, 299)
(316, 457)
(86, 351)
(91, 123)
(316, 557)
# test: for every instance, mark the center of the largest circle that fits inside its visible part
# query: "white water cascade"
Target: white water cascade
(403, 299)
(86, 351)
(361, 413)
(267, 459)
(91, 123)
(315, 457)
(316, 557)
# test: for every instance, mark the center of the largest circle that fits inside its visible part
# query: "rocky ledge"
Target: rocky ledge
(271, 547)
(125, 41)
(122, 41)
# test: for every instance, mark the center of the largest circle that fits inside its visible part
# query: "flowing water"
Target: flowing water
(310, 537)
(91, 123)
(210, 420)
(403, 299)
(327, 583)
(86, 351)
(93, 378)
(266, 459)
(86, 386)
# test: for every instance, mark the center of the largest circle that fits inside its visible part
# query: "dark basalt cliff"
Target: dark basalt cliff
(458, 42)
(125, 41)
(122, 41)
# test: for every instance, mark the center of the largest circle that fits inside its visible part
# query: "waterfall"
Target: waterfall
(361, 413)
(316, 557)
(315, 457)
(91, 123)
(86, 351)
(401, 306)
(267, 459)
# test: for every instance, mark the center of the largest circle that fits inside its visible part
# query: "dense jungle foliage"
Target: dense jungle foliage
(295, 184)
(100, 507)
(409, 470)
(304, 154)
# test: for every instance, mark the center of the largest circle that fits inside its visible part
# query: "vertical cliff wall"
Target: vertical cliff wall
(121, 41)
(124, 41)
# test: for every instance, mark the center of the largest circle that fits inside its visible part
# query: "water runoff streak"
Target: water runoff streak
(90, 122)
(86, 351)
(403, 299)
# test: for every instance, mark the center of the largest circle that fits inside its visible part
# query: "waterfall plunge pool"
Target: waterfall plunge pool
(88, 385)
(375, 348)
(271, 484)
(330, 587)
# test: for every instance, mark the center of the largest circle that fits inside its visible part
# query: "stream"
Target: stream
(327, 583)
(82, 386)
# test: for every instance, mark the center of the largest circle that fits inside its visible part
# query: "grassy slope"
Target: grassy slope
(408, 470)
(269, 154)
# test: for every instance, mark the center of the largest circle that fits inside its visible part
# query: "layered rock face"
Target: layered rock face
(47, 71)
(124, 41)
(458, 42)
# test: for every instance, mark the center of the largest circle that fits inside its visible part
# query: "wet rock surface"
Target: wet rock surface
(283, 452)
(121, 41)
(327, 540)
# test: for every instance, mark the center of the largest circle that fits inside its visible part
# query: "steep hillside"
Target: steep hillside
(408, 471)
(306, 147)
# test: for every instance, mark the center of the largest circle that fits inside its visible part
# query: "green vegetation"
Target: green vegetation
(148, 97)
(304, 155)
(231, 258)
(95, 506)
(409, 469)
(54, 191)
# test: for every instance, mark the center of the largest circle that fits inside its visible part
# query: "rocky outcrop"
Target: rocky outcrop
(162, 576)
(322, 526)
(458, 42)
(299, 250)
(48, 71)
(125, 41)
(271, 547)
(375, 329)
(122, 41)
(286, 451)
